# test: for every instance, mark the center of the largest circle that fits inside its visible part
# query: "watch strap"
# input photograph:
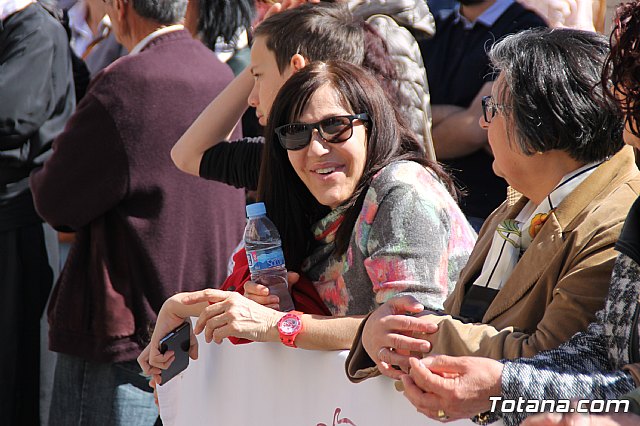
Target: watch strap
(290, 339)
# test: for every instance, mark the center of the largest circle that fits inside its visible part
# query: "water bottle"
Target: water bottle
(264, 254)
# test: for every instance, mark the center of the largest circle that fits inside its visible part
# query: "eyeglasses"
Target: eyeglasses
(296, 136)
(490, 108)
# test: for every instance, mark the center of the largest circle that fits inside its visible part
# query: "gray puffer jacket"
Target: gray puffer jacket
(391, 18)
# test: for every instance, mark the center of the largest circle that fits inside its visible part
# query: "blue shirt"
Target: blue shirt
(488, 18)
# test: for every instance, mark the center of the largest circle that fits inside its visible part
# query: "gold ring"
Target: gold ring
(442, 415)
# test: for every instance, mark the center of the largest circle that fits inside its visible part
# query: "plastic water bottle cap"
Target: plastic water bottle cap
(256, 209)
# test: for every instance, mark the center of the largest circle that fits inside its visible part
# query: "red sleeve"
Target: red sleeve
(305, 297)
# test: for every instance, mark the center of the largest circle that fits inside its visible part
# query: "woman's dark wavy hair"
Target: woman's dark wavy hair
(223, 18)
(621, 72)
(290, 205)
(554, 99)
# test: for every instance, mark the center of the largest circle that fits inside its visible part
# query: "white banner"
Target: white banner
(270, 384)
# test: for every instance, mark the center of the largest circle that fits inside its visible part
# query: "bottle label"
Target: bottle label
(260, 260)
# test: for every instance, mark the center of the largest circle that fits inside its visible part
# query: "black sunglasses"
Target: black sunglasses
(337, 129)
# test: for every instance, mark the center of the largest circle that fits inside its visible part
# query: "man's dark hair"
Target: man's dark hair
(621, 73)
(223, 19)
(318, 32)
(552, 94)
(290, 204)
(165, 12)
(328, 31)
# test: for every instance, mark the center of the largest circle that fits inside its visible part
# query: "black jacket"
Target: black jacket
(36, 99)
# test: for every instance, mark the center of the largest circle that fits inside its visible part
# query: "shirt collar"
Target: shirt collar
(78, 23)
(9, 7)
(143, 43)
(488, 17)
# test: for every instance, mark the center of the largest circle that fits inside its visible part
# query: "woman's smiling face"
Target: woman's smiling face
(331, 171)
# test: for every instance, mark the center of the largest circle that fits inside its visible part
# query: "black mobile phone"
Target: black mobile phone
(178, 342)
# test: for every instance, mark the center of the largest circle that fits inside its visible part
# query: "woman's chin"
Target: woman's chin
(331, 200)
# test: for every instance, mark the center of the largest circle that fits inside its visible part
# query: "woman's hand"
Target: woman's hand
(260, 294)
(154, 386)
(231, 314)
(170, 316)
(386, 339)
(449, 388)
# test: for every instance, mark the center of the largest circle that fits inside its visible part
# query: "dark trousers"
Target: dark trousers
(25, 283)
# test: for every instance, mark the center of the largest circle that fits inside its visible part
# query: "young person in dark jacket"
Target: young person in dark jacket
(36, 99)
(144, 230)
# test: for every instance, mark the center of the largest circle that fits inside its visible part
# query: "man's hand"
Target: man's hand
(151, 360)
(456, 131)
(386, 334)
(455, 387)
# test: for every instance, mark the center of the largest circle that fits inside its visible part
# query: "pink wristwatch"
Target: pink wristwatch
(289, 326)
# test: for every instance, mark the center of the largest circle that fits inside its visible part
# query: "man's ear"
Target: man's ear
(297, 62)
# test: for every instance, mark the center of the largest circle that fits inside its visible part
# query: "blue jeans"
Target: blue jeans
(94, 394)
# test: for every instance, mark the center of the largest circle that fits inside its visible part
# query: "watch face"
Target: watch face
(289, 325)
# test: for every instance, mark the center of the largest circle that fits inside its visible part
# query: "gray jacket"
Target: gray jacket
(392, 18)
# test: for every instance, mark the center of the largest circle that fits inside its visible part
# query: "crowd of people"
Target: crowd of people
(456, 194)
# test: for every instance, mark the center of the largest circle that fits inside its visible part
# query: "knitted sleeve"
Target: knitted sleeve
(88, 173)
(589, 365)
(412, 235)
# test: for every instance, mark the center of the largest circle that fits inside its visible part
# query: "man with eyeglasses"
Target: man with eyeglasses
(144, 230)
(542, 265)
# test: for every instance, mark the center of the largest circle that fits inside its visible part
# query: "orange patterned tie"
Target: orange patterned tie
(536, 223)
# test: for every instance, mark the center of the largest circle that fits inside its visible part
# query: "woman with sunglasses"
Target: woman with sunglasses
(360, 211)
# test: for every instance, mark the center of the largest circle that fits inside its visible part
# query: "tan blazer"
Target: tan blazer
(556, 288)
